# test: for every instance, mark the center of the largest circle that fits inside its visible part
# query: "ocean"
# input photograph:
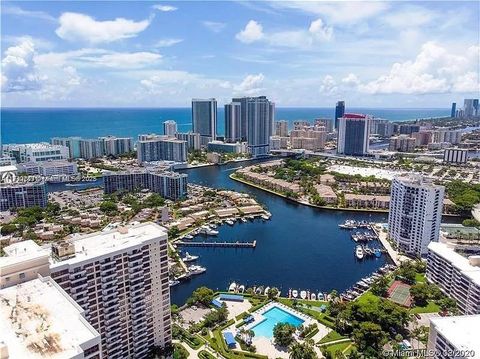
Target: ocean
(26, 125)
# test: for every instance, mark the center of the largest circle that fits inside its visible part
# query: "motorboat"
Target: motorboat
(188, 236)
(232, 287)
(189, 258)
(359, 252)
(294, 293)
(173, 283)
(377, 252)
(320, 296)
(244, 220)
(208, 231)
(229, 222)
(265, 217)
(241, 288)
(313, 296)
(259, 290)
(303, 294)
(196, 269)
(266, 291)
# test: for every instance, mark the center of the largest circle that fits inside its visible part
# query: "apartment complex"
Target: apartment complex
(402, 143)
(339, 112)
(170, 128)
(457, 276)
(152, 148)
(23, 195)
(35, 152)
(308, 137)
(171, 185)
(72, 143)
(353, 134)
(115, 146)
(49, 168)
(93, 148)
(415, 213)
(281, 128)
(192, 140)
(455, 155)
(38, 319)
(204, 119)
(260, 119)
(233, 124)
(454, 337)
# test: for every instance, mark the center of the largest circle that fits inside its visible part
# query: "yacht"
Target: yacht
(229, 222)
(189, 258)
(244, 220)
(188, 236)
(313, 296)
(303, 294)
(173, 283)
(241, 288)
(265, 217)
(196, 269)
(266, 291)
(208, 231)
(259, 290)
(232, 287)
(359, 252)
(294, 293)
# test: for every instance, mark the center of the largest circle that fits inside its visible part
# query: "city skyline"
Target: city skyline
(291, 52)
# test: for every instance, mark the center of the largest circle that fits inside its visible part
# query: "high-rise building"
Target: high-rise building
(454, 337)
(204, 118)
(328, 123)
(72, 143)
(454, 109)
(116, 146)
(192, 140)
(35, 152)
(415, 214)
(455, 155)
(475, 107)
(233, 124)
(339, 111)
(422, 138)
(445, 135)
(353, 134)
(402, 143)
(161, 148)
(470, 107)
(408, 129)
(23, 195)
(91, 148)
(120, 278)
(308, 137)
(171, 185)
(38, 319)
(243, 116)
(170, 128)
(260, 120)
(281, 128)
(457, 276)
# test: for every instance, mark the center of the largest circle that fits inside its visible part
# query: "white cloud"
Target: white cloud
(81, 27)
(167, 42)
(164, 8)
(351, 80)
(413, 16)
(252, 32)
(328, 86)
(317, 32)
(251, 85)
(17, 11)
(434, 70)
(18, 68)
(214, 26)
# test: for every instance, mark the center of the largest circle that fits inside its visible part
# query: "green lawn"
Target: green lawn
(367, 297)
(340, 347)
(330, 337)
(431, 307)
(420, 278)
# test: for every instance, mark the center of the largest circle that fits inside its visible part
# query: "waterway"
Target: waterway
(299, 247)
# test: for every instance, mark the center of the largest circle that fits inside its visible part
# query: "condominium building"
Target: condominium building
(171, 185)
(339, 112)
(170, 128)
(470, 107)
(278, 143)
(23, 195)
(38, 319)
(422, 138)
(308, 138)
(402, 143)
(353, 134)
(204, 118)
(385, 129)
(72, 143)
(415, 213)
(91, 148)
(161, 148)
(116, 146)
(281, 128)
(49, 168)
(243, 115)
(233, 124)
(260, 120)
(454, 337)
(325, 122)
(455, 155)
(408, 129)
(35, 152)
(457, 276)
(219, 146)
(454, 109)
(192, 140)
(444, 135)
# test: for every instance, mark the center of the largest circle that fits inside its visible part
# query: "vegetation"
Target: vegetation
(179, 352)
(283, 334)
(301, 351)
(173, 232)
(464, 195)
(109, 207)
(193, 341)
(201, 295)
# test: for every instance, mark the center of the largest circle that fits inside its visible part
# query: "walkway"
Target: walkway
(194, 352)
(382, 237)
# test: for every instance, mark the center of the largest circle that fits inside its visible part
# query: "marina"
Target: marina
(218, 244)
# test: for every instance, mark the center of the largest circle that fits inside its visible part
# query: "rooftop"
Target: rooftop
(460, 331)
(33, 324)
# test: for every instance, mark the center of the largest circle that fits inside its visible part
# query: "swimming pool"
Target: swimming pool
(272, 317)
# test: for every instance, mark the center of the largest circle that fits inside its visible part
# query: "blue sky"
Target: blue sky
(371, 54)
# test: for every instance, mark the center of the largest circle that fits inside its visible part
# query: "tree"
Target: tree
(380, 286)
(272, 293)
(407, 272)
(202, 295)
(7, 229)
(420, 293)
(154, 200)
(109, 207)
(173, 232)
(369, 335)
(447, 304)
(301, 351)
(283, 334)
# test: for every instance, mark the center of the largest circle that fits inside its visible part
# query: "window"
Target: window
(21, 275)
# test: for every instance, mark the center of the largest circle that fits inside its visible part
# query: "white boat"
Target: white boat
(259, 290)
(188, 236)
(294, 293)
(196, 269)
(313, 296)
(244, 220)
(320, 296)
(232, 287)
(303, 294)
(241, 288)
(189, 258)
(229, 222)
(172, 283)
(208, 231)
(213, 226)
(359, 252)
(266, 291)
(265, 217)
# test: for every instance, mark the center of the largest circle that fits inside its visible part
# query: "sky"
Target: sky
(162, 54)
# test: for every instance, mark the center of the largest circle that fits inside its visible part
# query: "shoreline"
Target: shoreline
(320, 207)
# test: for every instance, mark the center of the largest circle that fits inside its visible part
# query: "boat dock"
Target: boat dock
(218, 244)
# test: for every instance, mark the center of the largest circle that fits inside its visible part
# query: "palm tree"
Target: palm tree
(302, 351)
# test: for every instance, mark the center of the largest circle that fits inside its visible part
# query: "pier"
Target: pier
(218, 244)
